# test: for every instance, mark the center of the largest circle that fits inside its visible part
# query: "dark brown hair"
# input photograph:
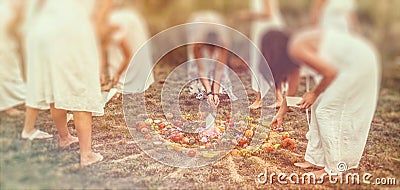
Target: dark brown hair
(274, 48)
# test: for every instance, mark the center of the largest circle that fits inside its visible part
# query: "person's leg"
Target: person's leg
(294, 81)
(256, 77)
(29, 131)
(30, 119)
(279, 96)
(83, 124)
(305, 48)
(314, 156)
(60, 120)
(257, 103)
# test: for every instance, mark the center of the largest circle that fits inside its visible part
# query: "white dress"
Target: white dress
(197, 34)
(12, 87)
(342, 115)
(258, 29)
(63, 59)
(335, 15)
(131, 27)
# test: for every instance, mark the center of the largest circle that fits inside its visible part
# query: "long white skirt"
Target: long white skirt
(12, 87)
(63, 59)
(342, 115)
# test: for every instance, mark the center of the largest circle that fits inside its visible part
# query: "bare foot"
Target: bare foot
(319, 174)
(65, 143)
(277, 105)
(35, 134)
(91, 158)
(306, 165)
(256, 104)
(13, 112)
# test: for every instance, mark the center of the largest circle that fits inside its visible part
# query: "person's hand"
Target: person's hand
(276, 122)
(216, 100)
(210, 99)
(213, 100)
(308, 99)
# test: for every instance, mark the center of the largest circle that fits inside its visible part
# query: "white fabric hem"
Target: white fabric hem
(63, 107)
(11, 105)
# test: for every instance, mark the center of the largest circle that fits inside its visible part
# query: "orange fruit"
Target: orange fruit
(270, 148)
(242, 141)
(288, 143)
(192, 153)
(161, 125)
(235, 152)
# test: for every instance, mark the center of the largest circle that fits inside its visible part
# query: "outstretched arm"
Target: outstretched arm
(305, 50)
(278, 119)
(201, 68)
(219, 74)
(219, 69)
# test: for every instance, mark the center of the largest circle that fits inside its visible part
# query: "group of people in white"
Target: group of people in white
(72, 51)
(69, 45)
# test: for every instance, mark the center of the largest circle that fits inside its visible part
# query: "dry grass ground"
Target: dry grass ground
(41, 164)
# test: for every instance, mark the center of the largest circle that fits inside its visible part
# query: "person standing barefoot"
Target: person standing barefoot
(63, 70)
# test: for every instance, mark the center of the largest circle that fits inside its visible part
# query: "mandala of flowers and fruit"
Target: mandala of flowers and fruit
(209, 142)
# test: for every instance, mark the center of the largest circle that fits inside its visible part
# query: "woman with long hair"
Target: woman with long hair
(343, 103)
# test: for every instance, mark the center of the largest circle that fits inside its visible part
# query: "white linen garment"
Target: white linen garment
(342, 115)
(12, 87)
(63, 58)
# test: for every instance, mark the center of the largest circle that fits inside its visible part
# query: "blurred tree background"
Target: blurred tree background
(379, 21)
